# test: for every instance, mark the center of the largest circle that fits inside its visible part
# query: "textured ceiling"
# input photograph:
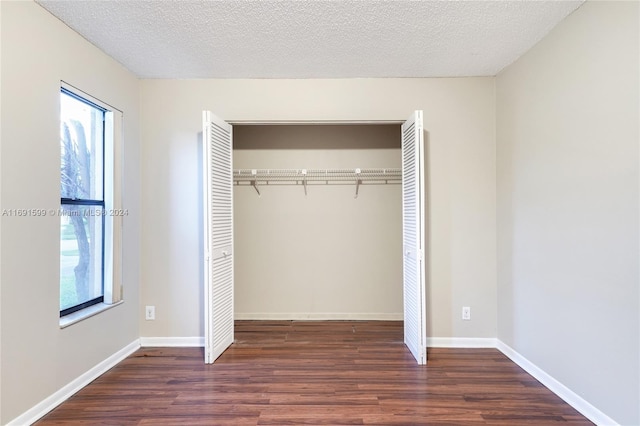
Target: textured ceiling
(312, 39)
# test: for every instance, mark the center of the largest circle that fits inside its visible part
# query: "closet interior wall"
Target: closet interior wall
(326, 255)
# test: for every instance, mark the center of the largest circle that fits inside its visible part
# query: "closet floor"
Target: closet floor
(320, 372)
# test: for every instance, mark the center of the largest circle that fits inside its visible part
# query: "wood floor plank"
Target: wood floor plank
(324, 372)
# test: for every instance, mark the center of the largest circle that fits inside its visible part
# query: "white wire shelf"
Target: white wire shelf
(304, 177)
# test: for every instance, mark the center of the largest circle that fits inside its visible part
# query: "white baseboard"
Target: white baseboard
(570, 397)
(461, 342)
(39, 410)
(149, 342)
(321, 316)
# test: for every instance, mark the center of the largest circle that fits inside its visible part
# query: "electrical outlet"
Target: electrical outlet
(149, 312)
(466, 313)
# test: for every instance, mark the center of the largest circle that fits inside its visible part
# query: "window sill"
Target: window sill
(85, 313)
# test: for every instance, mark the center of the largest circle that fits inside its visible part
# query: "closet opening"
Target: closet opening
(281, 253)
(314, 250)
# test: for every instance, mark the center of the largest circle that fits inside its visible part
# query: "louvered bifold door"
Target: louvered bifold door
(413, 228)
(218, 236)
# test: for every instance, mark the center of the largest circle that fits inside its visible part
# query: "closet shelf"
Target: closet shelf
(293, 176)
(258, 177)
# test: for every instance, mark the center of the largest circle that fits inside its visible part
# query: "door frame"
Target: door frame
(426, 188)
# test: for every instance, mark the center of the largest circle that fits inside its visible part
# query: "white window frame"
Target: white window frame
(114, 212)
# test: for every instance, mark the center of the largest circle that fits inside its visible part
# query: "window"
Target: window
(87, 212)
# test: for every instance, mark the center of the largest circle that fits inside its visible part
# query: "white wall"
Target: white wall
(327, 255)
(39, 358)
(459, 118)
(568, 170)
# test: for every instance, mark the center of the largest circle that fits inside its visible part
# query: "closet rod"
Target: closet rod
(304, 176)
(257, 184)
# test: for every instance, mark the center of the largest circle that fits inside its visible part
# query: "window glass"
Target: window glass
(81, 146)
(81, 203)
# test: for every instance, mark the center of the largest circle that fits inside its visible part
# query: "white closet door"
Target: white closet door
(218, 236)
(413, 230)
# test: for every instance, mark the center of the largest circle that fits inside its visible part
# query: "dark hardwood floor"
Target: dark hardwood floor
(335, 373)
